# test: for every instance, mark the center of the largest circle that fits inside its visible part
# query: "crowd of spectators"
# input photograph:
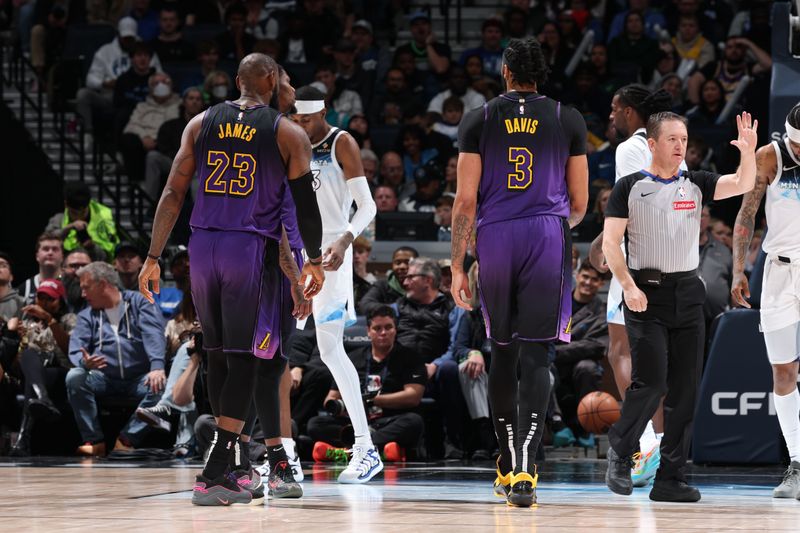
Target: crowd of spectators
(403, 97)
(77, 336)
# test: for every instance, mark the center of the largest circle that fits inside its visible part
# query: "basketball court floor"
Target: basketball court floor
(92, 495)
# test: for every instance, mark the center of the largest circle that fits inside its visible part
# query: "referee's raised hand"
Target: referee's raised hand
(748, 136)
(635, 299)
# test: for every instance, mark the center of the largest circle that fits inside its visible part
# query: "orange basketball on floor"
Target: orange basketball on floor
(597, 411)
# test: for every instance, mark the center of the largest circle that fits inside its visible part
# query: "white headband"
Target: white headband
(792, 133)
(306, 107)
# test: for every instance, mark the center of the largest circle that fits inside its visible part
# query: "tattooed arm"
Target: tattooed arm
(469, 177)
(302, 306)
(766, 170)
(286, 259)
(169, 207)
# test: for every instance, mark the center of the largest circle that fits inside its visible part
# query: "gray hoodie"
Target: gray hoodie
(10, 305)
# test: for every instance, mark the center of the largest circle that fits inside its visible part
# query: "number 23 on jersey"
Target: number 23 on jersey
(239, 185)
(522, 177)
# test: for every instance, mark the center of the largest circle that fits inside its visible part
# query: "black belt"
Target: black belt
(652, 277)
(784, 259)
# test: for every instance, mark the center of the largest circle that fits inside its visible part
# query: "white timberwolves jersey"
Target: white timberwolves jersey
(333, 196)
(783, 204)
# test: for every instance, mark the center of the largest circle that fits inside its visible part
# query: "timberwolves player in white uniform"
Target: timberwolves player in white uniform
(339, 179)
(777, 176)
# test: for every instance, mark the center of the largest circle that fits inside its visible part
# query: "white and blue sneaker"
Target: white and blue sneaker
(364, 465)
(294, 464)
(646, 466)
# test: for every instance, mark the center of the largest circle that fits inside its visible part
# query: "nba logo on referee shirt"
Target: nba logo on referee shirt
(683, 204)
(265, 343)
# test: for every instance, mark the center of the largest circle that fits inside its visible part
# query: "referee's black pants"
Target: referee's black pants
(666, 360)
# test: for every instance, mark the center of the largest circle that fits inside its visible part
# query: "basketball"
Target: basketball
(597, 411)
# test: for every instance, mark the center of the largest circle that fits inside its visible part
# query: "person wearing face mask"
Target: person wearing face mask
(168, 140)
(216, 87)
(140, 134)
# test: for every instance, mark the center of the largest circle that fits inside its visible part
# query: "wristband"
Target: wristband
(153, 257)
(315, 263)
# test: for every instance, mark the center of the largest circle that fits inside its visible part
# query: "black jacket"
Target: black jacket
(131, 88)
(383, 292)
(589, 335)
(169, 136)
(425, 328)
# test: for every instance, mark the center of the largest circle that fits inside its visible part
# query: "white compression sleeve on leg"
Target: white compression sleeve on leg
(359, 188)
(331, 350)
(788, 410)
(648, 438)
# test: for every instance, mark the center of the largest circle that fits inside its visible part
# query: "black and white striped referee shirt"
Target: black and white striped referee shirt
(663, 231)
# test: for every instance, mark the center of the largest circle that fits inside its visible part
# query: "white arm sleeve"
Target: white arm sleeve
(366, 205)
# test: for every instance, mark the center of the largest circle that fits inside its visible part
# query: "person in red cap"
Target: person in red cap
(44, 333)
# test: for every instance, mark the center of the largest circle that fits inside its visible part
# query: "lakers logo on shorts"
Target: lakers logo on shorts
(264, 345)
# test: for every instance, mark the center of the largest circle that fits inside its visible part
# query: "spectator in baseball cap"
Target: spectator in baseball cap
(128, 262)
(428, 180)
(43, 358)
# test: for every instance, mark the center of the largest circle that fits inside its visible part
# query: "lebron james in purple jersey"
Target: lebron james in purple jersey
(522, 184)
(242, 152)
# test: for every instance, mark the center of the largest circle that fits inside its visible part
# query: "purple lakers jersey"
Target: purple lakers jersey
(242, 176)
(524, 144)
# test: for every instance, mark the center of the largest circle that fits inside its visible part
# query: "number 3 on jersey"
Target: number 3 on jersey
(241, 185)
(522, 177)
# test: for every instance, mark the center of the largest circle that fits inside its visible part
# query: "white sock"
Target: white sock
(331, 350)
(288, 445)
(788, 409)
(648, 438)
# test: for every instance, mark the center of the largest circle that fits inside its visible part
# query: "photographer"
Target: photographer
(392, 382)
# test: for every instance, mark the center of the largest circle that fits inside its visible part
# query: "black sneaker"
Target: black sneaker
(223, 490)
(281, 482)
(251, 481)
(673, 490)
(618, 474)
(523, 490)
(157, 416)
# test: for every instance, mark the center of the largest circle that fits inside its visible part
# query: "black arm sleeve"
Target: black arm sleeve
(618, 201)
(574, 129)
(707, 181)
(309, 221)
(469, 132)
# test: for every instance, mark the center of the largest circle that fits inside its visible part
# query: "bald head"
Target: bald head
(255, 68)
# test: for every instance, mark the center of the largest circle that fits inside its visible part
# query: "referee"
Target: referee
(657, 210)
